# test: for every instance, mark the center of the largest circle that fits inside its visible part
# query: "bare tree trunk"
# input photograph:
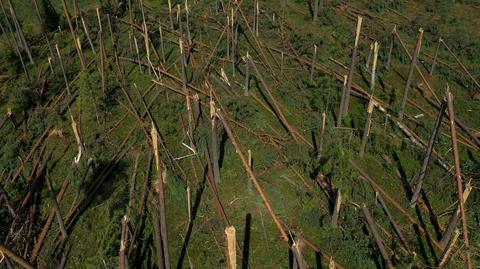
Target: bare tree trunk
(57, 210)
(312, 67)
(410, 73)
(376, 237)
(247, 75)
(435, 56)
(448, 250)
(458, 172)
(16, 23)
(395, 226)
(322, 134)
(6, 200)
(452, 224)
(336, 209)
(87, 34)
(315, 10)
(371, 103)
(231, 247)
(428, 154)
(352, 67)
(74, 35)
(63, 69)
(161, 180)
(390, 48)
(20, 260)
(122, 264)
(342, 102)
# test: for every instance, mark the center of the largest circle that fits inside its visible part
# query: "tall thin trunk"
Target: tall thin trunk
(312, 66)
(410, 73)
(376, 237)
(458, 173)
(74, 35)
(435, 56)
(63, 68)
(315, 10)
(87, 34)
(57, 210)
(371, 103)
(390, 48)
(352, 67)
(428, 153)
(231, 247)
(20, 31)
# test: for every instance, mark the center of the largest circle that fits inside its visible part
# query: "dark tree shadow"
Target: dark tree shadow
(246, 241)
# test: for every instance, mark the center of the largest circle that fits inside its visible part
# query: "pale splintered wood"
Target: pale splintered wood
(342, 102)
(371, 103)
(448, 249)
(452, 224)
(159, 187)
(85, 29)
(458, 173)
(247, 76)
(170, 14)
(231, 247)
(322, 134)
(297, 248)
(413, 65)
(122, 264)
(250, 162)
(74, 35)
(189, 203)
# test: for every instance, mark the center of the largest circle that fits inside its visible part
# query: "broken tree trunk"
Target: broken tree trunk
(390, 48)
(340, 113)
(410, 73)
(448, 250)
(16, 23)
(458, 174)
(231, 247)
(394, 224)
(315, 10)
(161, 180)
(452, 224)
(247, 75)
(435, 56)
(336, 209)
(214, 144)
(18, 259)
(376, 237)
(312, 67)
(63, 68)
(74, 35)
(351, 70)
(58, 212)
(239, 152)
(85, 28)
(371, 102)
(6, 200)
(322, 134)
(123, 243)
(428, 154)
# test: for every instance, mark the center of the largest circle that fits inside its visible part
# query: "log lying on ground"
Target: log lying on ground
(458, 174)
(428, 154)
(376, 237)
(18, 259)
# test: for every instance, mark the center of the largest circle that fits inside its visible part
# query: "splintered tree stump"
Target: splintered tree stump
(377, 237)
(231, 247)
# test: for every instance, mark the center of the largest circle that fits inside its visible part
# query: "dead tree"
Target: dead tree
(346, 97)
(435, 56)
(58, 212)
(322, 134)
(312, 67)
(315, 10)
(85, 28)
(376, 237)
(14, 256)
(452, 224)
(160, 189)
(21, 36)
(458, 173)
(423, 170)
(336, 209)
(390, 48)
(63, 68)
(394, 224)
(247, 75)
(371, 102)
(410, 73)
(74, 35)
(122, 264)
(6, 200)
(231, 247)
(214, 144)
